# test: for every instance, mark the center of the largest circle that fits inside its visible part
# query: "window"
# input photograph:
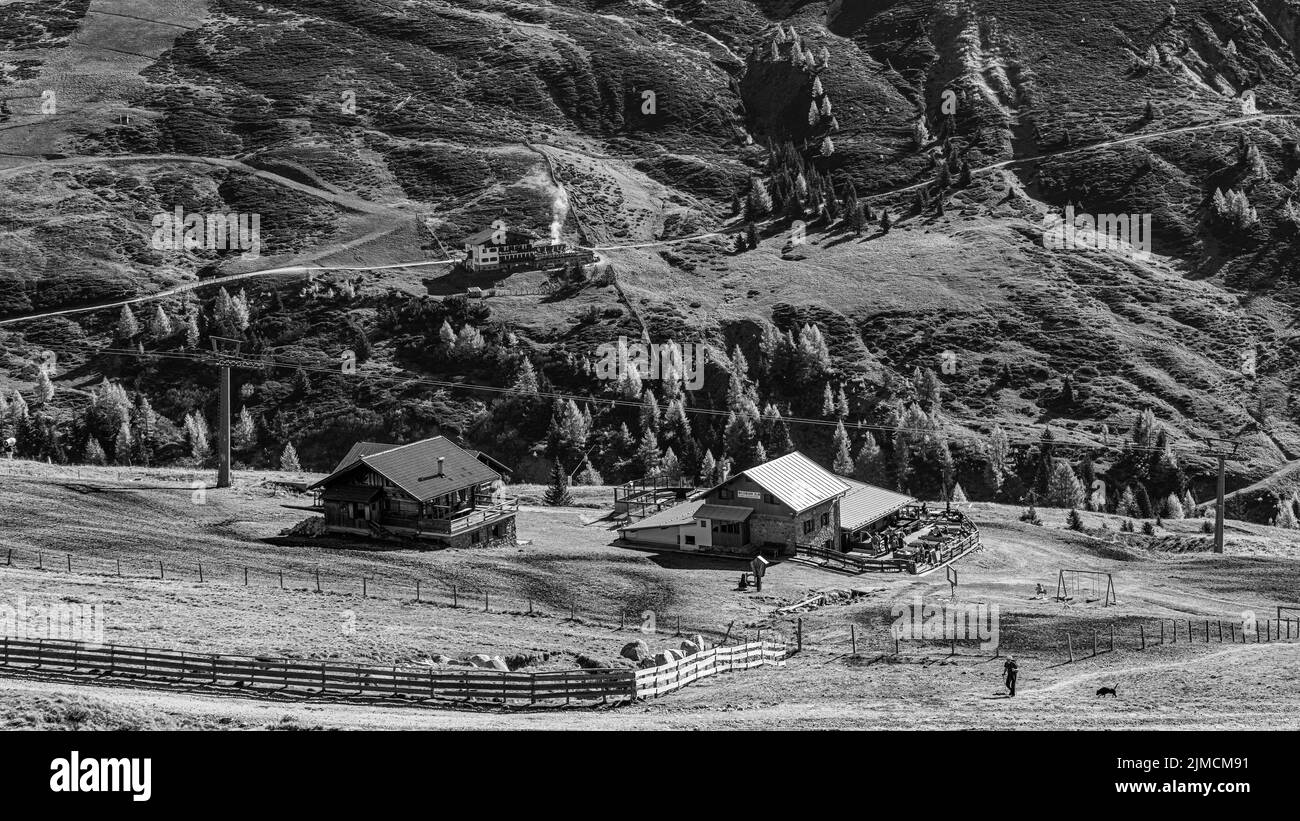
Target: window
(724, 493)
(769, 499)
(826, 545)
(826, 519)
(690, 540)
(704, 522)
(809, 526)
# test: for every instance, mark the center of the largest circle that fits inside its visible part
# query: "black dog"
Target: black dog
(1107, 691)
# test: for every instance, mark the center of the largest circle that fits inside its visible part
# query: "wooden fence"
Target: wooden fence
(304, 677)
(1163, 631)
(655, 681)
(432, 591)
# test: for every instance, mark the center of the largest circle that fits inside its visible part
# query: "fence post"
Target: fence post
(1069, 645)
(9, 560)
(1189, 631)
(1162, 631)
(281, 579)
(417, 590)
(363, 585)
(853, 638)
(1232, 631)
(245, 577)
(1220, 629)
(40, 560)
(1094, 641)
(1112, 637)
(200, 572)
(318, 580)
(69, 562)
(486, 609)
(1207, 631)
(119, 567)
(1142, 634)
(800, 633)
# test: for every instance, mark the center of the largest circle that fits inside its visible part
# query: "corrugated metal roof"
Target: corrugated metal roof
(414, 467)
(682, 514)
(866, 503)
(797, 481)
(724, 513)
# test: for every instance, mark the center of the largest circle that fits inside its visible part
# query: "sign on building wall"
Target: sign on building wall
(748, 494)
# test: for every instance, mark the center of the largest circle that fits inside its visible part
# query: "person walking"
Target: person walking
(1011, 669)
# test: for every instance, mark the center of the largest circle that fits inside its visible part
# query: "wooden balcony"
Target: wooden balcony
(454, 522)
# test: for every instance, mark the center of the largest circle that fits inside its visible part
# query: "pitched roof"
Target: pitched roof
(414, 467)
(724, 513)
(866, 503)
(361, 449)
(797, 481)
(682, 514)
(513, 236)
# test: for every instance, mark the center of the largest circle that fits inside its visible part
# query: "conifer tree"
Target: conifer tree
(289, 458)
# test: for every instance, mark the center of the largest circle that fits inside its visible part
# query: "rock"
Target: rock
(441, 659)
(689, 648)
(488, 662)
(646, 663)
(636, 651)
(699, 642)
(588, 663)
(668, 657)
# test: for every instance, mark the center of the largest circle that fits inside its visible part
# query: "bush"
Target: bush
(1126, 526)
(1148, 529)
(1031, 515)
(1074, 521)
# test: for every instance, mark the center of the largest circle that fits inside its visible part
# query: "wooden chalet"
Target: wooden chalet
(431, 490)
(792, 506)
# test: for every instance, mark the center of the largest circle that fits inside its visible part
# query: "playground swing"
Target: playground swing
(1093, 585)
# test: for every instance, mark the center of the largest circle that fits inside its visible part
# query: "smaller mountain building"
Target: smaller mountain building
(507, 250)
(431, 490)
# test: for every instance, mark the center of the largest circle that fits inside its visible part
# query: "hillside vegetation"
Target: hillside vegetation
(369, 134)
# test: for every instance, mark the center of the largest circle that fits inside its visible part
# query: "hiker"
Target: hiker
(1011, 668)
(759, 566)
(1040, 591)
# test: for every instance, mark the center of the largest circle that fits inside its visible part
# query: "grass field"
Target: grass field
(143, 516)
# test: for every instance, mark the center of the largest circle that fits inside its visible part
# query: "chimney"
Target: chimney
(440, 461)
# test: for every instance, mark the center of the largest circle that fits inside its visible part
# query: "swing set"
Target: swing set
(1093, 585)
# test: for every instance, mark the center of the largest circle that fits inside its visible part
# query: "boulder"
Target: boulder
(689, 648)
(636, 651)
(668, 657)
(441, 659)
(488, 662)
(646, 663)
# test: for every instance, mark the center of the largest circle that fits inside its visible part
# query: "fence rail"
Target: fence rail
(429, 590)
(248, 673)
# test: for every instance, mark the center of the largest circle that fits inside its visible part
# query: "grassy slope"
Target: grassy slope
(554, 76)
(567, 559)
